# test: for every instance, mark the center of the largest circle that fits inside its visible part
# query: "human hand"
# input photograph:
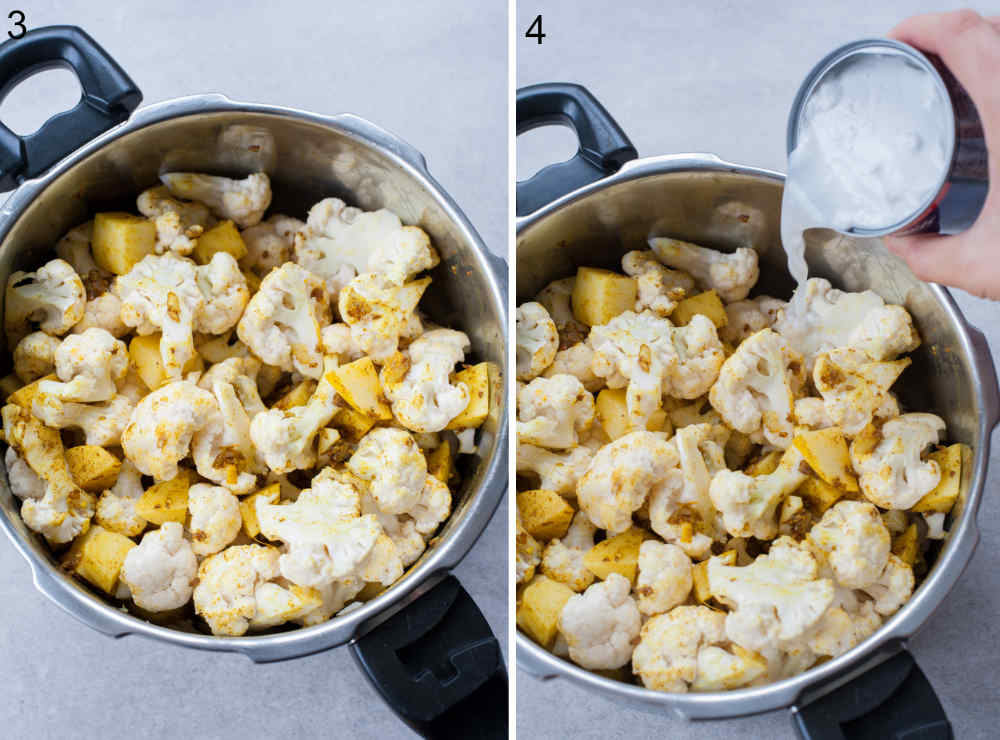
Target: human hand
(970, 47)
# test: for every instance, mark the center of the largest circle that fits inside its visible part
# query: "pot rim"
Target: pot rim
(891, 637)
(63, 590)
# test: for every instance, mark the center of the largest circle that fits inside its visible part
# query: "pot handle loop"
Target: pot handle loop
(604, 147)
(108, 98)
(894, 700)
(438, 665)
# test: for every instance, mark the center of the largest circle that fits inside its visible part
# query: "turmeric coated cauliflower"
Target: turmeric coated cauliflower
(658, 288)
(854, 389)
(241, 201)
(893, 586)
(269, 243)
(227, 581)
(178, 224)
(51, 298)
(160, 572)
(576, 361)
(537, 340)
(601, 625)
(563, 557)
(554, 412)
(103, 312)
(731, 275)
(664, 579)
(380, 312)
(35, 356)
(747, 317)
(556, 471)
(116, 506)
(102, 423)
(89, 365)
(855, 542)
(215, 518)
(24, 482)
(394, 467)
(749, 504)
(557, 299)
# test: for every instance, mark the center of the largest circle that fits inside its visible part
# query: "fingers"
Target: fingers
(950, 260)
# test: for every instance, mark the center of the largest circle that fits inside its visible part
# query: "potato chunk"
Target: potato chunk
(357, 382)
(93, 468)
(612, 415)
(699, 573)
(297, 396)
(820, 494)
(440, 463)
(545, 514)
(477, 378)
(600, 295)
(24, 396)
(825, 450)
(144, 353)
(906, 546)
(352, 425)
(944, 495)
(97, 557)
(618, 554)
(248, 508)
(120, 240)
(541, 603)
(166, 501)
(222, 237)
(707, 304)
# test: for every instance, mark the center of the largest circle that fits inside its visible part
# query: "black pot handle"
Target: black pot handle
(892, 701)
(438, 665)
(604, 147)
(109, 97)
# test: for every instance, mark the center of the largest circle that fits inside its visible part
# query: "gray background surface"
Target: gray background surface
(720, 77)
(433, 72)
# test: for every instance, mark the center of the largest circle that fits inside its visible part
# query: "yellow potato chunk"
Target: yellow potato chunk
(707, 304)
(97, 557)
(166, 501)
(297, 396)
(253, 281)
(545, 514)
(618, 554)
(144, 352)
(612, 414)
(944, 495)
(357, 383)
(248, 508)
(906, 545)
(352, 425)
(477, 378)
(440, 463)
(764, 465)
(222, 237)
(541, 603)
(25, 395)
(825, 450)
(120, 240)
(699, 572)
(93, 468)
(820, 494)
(600, 295)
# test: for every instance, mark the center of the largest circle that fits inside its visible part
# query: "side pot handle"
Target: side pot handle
(604, 147)
(109, 97)
(892, 700)
(438, 665)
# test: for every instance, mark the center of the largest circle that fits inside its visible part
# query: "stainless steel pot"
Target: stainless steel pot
(606, 209)
(308, 157)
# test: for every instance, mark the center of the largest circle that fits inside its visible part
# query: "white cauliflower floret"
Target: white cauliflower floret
(885, 333)
(335, 596)
(652, 357)
(52, 298)
(75, 248)
(89, 365)
(381, 312)
(64, 510)
(401, 529)
(116, 506)
(853, 388)
(423, 397)
(576, 361)
(176, 297)
(749, 504)
(529, 553)
(394, 467)
(601, 625)
(326, 537)
(103, 312)
(731, 275)
(278, 603)
(755, 389)
(854, 541)
(338, 340)
(776, 598)
(557, 299)
(161, 571)
(103, 424)
(24, 482)
(563, 557)
(178, 224)
(811, 412)
(269, 243)
(537, 340)
(215, 518)
(664, 579)
(241, 201)
(338, 236)
(840, 629)
(658, 288)
(283, 320)
(749, 316)
(433, 506)
(935, 524)
(892, 474)
(554, 412)
(621, 476)
(557, 471)
(159, 432)
(35, 356)
(893, 587)
(227, 583)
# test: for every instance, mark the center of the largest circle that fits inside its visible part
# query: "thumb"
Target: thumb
(951, 260)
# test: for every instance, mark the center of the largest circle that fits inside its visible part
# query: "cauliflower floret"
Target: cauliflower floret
(811, 412)
(51, 297)
(89, 365)
(35, 356)
(731, 275)
(776, 598)
(325, 534)
(529, 553)
(381, 312)
(557, 471)
(893, 586)
(554, 412)
(280, 602)
(664, 579)
(161, 571)
(935, 524)
(749, 316)
(116, 506)
(178, 224)
(576, 361)
(338, 236)
(24, 482)
(75, 248)
(840, 629)
(402, 530)
(433, 506)
(749, 504)
(755, 389)
(335, 596)
(855, 542)
(892, 473)
(241, 201)
(269, 243)
(422, 395)
(103, 312)
(537, 340)
(853, 388)
(653, 357)
(338, 340)
(659, 288)
(885, 333)
(557, 299)
(394, 467)
(63, 512)
(227, 583)
(103, 424)
(173, 295)
(601, 625)
(283, 320)
(621, 476)
(161, 427)
(563, 557)
(215, 518)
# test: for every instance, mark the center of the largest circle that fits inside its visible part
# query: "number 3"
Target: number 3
(18, 17)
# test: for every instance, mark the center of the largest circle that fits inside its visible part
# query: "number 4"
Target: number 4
(535, 30)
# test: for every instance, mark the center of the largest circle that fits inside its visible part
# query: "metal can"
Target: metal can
(955, 205)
